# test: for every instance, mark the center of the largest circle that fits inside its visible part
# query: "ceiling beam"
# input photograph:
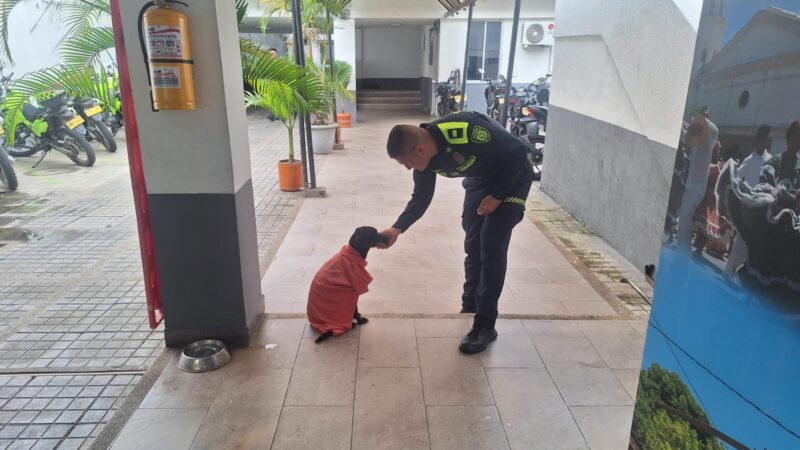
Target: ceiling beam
(454, 6)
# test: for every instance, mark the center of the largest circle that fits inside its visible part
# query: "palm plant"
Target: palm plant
(282, 87)
(317, 21)
(340, 78)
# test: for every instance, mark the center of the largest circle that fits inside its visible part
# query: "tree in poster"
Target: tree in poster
(654, 427)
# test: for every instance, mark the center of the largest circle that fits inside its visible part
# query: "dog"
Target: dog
(332, 306)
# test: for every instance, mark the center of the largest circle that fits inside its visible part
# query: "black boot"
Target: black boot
(467, 309)
(478, 339)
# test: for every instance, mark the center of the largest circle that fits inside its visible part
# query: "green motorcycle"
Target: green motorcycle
(53, 126)
(8, 177)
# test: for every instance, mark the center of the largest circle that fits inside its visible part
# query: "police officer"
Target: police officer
(497, 179)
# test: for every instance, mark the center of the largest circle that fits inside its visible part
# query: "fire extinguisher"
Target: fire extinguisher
(164, 37)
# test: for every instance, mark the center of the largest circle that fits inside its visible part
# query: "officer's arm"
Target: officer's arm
(424, 186)
(511, 160)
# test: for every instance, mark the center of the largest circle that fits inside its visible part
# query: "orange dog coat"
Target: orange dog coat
(334, 292)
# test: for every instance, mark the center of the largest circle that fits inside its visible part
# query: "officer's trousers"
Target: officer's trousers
(486, 245)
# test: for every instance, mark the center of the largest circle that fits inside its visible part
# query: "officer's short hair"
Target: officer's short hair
(402, 140)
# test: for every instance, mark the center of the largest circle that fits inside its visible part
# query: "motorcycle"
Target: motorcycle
(112, 115)
(495, 96)
(448, 95)
(8, 177)
(96, 129)
(525, 124)
(541, 89)
(53, 126)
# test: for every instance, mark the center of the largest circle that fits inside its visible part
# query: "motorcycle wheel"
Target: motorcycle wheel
(75, 145)
(18, 151)
(536, 156)
(103, 135)
(441, 110)
(496, 115)
(114, 123)
(8, 177)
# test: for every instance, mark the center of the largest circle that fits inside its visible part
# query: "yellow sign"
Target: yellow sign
(74, 122)
(93, 110)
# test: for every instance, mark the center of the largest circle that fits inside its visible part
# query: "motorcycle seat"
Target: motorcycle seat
(31, 112)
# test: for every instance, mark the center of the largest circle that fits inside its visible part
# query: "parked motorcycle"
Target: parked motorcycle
(112, 114)
(8, 177)
(96, 129)
(524, 123)
(448, 95)
(495, 96)
(541, 89)
(52, 126)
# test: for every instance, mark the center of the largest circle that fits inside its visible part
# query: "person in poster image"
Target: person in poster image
(700, 139)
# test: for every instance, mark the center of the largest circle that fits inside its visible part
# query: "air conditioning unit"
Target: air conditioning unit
(537, 33)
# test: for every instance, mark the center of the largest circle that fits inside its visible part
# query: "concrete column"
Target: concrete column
(199, 187)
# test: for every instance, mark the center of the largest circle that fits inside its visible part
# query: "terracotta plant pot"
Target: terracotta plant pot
(343, 119)
(290, 175)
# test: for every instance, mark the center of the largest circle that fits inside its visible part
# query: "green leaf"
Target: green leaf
(84, 50)
(79, 16)
(241, 10)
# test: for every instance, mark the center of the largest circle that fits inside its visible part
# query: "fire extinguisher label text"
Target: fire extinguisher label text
(165, 42)
(166, 78)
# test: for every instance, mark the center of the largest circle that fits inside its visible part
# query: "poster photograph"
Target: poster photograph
(722, 356)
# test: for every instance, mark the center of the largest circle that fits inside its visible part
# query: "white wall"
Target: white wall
(431, 9)
(359, 54)
(618, 93)
(206, 150)
(427, 69)
(391, 52)
(344, 46)
(35, 32)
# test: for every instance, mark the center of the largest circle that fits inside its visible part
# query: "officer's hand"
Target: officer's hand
(488, 205)
(391, 233)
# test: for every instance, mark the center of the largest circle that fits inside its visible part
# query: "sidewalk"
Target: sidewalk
(423, 272)
(399, 381)
(74, 334)
(402, 384)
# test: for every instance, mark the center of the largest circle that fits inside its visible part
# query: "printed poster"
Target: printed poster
(722, 356)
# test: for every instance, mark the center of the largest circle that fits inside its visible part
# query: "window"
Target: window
(744, 99)
(484, 51)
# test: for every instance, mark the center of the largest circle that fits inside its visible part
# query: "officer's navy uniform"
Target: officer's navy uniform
(492, 161)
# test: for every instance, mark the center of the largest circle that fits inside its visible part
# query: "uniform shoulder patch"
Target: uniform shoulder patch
(454, 132)
(480, 135)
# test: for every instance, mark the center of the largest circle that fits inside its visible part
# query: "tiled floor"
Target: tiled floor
(402, 384)
(423, 272)
(399, 382)
(71, 289)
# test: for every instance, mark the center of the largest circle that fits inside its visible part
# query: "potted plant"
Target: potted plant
(323, 131)
(317, 21)
(339, 80)
(286, 90)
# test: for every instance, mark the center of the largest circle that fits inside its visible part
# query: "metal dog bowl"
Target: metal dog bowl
(202, 356)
